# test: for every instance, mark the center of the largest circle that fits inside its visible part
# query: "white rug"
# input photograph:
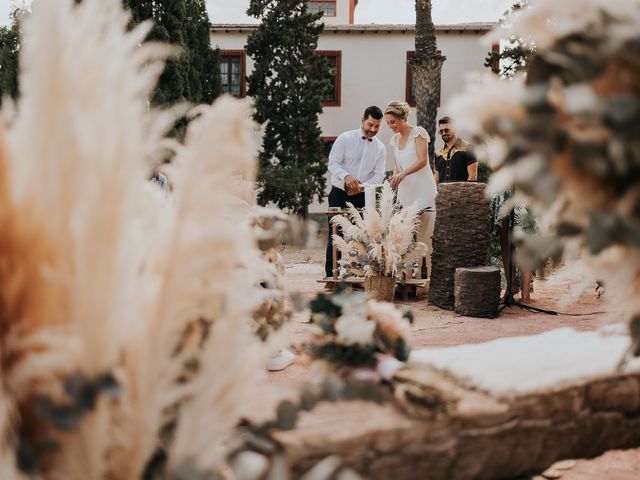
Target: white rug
(520, 365)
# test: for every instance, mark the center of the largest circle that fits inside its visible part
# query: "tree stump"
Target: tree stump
(460, 238)
(477, 291)
(515, 415)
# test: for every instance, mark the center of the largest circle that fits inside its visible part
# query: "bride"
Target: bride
(412, 174)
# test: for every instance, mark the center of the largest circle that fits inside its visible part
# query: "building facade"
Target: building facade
(369, 63)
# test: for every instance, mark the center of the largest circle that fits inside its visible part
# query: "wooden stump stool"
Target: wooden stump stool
(477, 291)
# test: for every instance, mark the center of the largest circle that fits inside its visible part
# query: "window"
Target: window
(328, 9)
(334, 62)
(328, 145)
(495, 65)
(410, 88)
(232, 72)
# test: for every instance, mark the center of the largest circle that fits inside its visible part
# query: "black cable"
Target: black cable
(509, 300)
(552, 312)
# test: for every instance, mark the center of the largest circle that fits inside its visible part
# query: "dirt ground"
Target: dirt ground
(434, 327)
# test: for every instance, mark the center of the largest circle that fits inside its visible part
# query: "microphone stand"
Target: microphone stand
(509, 300)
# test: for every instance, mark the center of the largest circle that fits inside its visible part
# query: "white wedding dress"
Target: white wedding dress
(419, 187)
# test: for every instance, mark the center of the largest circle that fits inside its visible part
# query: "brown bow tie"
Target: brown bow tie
(367, 138)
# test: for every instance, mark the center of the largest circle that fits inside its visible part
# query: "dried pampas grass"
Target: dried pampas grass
(125, 332)
(379, 240)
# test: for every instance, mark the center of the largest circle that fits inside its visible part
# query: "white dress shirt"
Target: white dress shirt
(363, 159)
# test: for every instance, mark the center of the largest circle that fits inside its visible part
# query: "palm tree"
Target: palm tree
(427, 67)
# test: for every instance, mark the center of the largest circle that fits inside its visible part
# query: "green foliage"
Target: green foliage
(9, 58)
(193, 76)
(287, 85)
(401, 350)
(347, 355)
(524, 221)
(189, 470)
(386, 338)
(64, 414)
(484, 172)
(327, 310)
(512, 59)
(514, 56)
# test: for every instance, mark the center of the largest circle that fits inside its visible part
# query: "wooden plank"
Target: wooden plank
(420, 282)
(337, 280)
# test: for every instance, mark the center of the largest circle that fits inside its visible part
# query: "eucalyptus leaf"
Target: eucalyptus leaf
(308, 400)
(286, 415)
(568, 229)
(401, 350)
(634, 330)
(606, 229)
(188, 470)
(64, 417)
(332, 388)
(26, 458)
(323, 304)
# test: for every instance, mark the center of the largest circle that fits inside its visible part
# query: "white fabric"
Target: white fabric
(351, 155)
(419, 187)
(424, 234)
(282, 360)
(523, 365)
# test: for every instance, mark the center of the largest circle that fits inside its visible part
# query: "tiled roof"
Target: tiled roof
(367, 28)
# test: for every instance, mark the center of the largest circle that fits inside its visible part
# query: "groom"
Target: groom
(357, 159)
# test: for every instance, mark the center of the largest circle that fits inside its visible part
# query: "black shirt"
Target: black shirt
(451, 163)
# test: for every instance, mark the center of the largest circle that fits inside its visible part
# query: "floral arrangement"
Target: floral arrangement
(380, 241)
(360, 349)
(359, 343)
(566, 136)
(126, 348)
(353, 331)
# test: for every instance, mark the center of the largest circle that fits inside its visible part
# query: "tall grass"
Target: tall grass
(380, 240)
(124, 313)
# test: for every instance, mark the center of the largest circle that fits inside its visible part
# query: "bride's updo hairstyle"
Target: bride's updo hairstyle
(399, 110)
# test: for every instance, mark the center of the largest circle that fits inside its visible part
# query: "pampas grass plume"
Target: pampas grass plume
(100, 273)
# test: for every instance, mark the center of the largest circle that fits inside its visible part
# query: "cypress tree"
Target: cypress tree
(287, 85)
(194, 76)
(10, 57)
(204, 73)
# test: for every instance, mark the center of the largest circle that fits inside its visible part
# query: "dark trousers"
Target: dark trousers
(339, 198)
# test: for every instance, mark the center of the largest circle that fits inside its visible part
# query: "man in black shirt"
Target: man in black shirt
(455, 161)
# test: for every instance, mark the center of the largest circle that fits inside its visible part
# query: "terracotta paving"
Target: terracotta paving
(434, 328)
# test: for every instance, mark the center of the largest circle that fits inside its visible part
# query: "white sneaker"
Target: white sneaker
(282, 360)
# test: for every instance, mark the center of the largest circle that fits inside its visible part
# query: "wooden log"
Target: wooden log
(460, 238)
(485, 433)
(477, 291)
